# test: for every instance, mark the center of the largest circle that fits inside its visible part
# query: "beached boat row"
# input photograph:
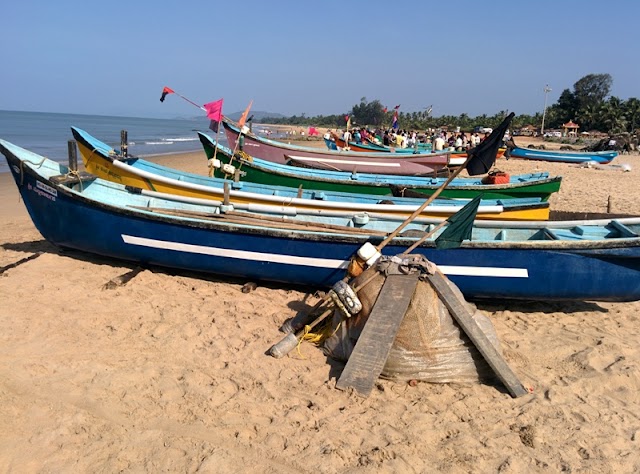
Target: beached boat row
(420, 164)
(257, 170)
(103, 161)
(594, 260)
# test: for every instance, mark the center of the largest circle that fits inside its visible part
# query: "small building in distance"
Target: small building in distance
(570, 129)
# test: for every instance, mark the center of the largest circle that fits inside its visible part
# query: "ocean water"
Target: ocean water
(48, 133)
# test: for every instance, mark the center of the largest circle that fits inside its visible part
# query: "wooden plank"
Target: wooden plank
(372, 349)
(461, 313)
(75, 178)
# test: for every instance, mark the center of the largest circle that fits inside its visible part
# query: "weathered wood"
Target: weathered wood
(124, 144)
(372, 349)
(460, 312)
(73, 155)
(121, 280)
(74, 178)
(226, 192)
(19, 262)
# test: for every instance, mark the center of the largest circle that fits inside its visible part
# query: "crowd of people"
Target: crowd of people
(436, 141)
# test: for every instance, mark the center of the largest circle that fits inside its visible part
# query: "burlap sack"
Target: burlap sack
(429, 346)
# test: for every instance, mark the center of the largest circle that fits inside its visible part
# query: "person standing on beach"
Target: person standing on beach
(346, 136)
(438, 143)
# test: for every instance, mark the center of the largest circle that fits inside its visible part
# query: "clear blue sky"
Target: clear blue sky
(293, 57)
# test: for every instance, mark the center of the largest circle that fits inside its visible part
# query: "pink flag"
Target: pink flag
(214, 110)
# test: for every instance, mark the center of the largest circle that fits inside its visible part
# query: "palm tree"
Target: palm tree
(612, 116)
(587, 116)
(632, 113)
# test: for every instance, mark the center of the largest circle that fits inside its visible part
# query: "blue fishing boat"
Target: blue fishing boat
(600, 157)
(592, 260)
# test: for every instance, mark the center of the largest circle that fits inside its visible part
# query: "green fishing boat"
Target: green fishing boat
(253, 169)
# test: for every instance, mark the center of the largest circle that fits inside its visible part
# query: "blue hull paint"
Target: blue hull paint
(572, 271)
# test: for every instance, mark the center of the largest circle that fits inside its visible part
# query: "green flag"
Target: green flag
(460, 226)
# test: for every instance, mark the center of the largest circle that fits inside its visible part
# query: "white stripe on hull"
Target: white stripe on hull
(497, 272)
(345, 162)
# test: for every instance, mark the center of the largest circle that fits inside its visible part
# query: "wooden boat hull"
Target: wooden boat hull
(534, 185)
(99, 159)
(601, 157)
(103, 218)
(423, 164)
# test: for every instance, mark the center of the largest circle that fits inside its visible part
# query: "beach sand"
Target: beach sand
(168, 372)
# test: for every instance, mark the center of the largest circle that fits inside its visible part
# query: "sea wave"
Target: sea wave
(182, 139)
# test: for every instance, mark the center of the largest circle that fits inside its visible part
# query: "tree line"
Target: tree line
(588, 104)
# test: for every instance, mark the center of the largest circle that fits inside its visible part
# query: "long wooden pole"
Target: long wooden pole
(415, 214)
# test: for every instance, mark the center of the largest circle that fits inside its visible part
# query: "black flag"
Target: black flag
(484, 155)
(165, 91)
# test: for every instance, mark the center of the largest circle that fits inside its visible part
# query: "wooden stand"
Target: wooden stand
(374, 344)
(460, 312)
(372, 349)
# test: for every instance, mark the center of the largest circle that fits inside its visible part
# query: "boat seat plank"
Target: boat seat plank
(579, 233)
(623, 229)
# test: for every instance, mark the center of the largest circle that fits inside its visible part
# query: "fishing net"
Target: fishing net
(429, 345)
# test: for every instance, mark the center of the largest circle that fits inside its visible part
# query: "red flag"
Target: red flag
(165, 91)
(243, 118)
(397, 107)
(214, 110)
(384, 111)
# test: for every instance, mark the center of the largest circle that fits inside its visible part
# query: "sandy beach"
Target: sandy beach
(168, 372)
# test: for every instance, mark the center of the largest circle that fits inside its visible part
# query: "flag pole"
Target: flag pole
(215, 150)
(190, 101)
(240, 125)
